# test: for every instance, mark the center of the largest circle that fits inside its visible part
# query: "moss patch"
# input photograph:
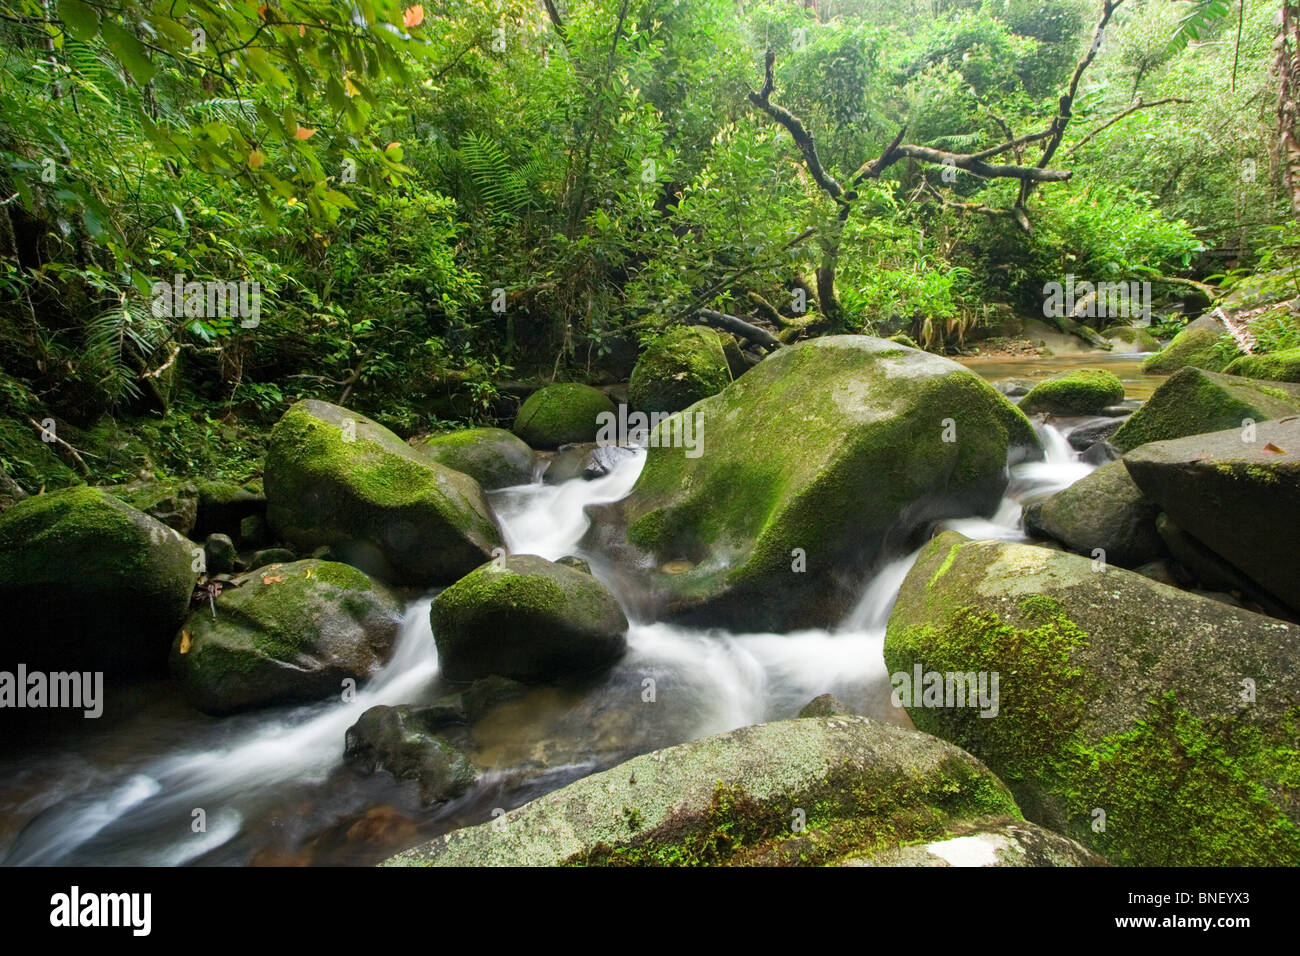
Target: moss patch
(1193, 401)
(1116, 694)
(678, 369)
(1083, 392)
(560, 414)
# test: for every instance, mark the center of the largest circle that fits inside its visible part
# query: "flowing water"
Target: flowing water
(272, 786)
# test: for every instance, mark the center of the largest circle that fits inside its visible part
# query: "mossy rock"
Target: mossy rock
(1085, 391)
(1193, 401)
(678, 369)
(836, 447)
(797, 792)
(1104, 510)
(175, 502)
(1283, 366)
(1241, 499)
(1197, 345)
(1117, 694)
(404, 742)
(285, 633)
(529, 620)
(562, 414)
(89, 583)
(335, 478)
(493, 457)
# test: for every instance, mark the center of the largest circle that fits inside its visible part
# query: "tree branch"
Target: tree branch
(1139, 105)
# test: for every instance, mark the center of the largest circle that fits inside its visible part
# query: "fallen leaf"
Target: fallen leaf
(1272, 449)
(275, 580)
(186, 641)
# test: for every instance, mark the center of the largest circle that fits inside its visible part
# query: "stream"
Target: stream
(271, 787)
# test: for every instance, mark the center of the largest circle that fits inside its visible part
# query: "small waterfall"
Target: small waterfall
(708, 681)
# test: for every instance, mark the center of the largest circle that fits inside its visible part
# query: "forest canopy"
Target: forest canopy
(439, 203)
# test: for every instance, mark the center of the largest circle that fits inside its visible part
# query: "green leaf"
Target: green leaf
(129, 51)
(81, 20)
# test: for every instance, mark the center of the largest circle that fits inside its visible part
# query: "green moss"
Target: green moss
(560, 414)
(1081, 392)
(678, 369)
(337, 478)
(843, 818)
(493, 457)
(1176, 789)
(1197, 346)
(1283, 366)
(822, 446)
(1193, 401)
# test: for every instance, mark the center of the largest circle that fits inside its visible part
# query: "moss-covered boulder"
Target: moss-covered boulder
(89, 583)
(678, 369)
(285, 633)
(1197, 345)
(797, 792)
(1283, 366)
(335, 478)
(1104, 510)
(527, 619)
(562, 414)
(405, 742)
(804, 472)
(493, 457)
(1241, 499)
(1193, 401)
(1084, 391)
(1155, 726)
(175, 502)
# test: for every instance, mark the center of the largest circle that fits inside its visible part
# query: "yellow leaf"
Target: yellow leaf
(186, 641)
(413, 16)
(256, 158)
(303, 132)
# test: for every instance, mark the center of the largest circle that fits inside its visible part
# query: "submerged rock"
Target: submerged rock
(561, 414)
(796, 792)
(493, 457)
(527, 619)
(809, 468)
(404, 742)
(1155, 726)
(678, 369)
(1241, 499)
(89, 583)
(1104, 510)
(335, 478)
(292, 632)
(1084, 391)
(1193, 401)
